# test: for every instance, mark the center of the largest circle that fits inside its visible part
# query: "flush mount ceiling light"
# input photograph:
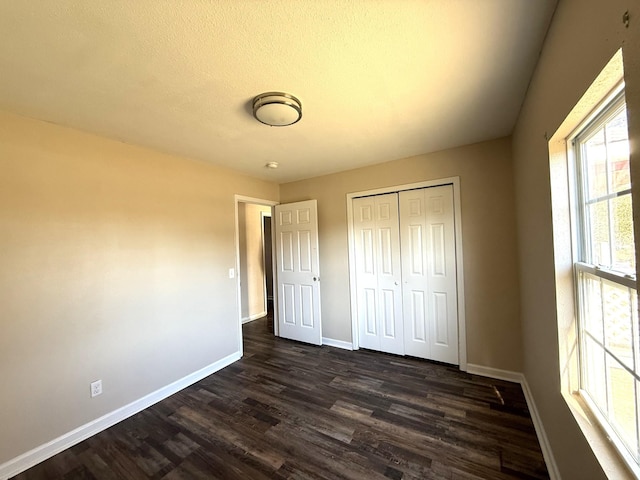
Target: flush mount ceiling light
(272, 165)
(277, 109)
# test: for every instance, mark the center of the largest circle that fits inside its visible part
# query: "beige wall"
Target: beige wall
(584, 35)
(252, 265)
(114, 266)
(488, 229)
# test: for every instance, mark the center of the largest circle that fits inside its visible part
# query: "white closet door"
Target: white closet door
(378, 275)
(429, 273)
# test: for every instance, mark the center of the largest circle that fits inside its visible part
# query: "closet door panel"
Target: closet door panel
(428, 265)
(389, 274)
(413, 232)
(441, 260)
(366, 272)
(378, 275)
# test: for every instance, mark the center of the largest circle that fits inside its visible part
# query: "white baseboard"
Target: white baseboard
(57, 445)
(518, 377)
(506, 375)
(549, 459)
(337, 343)
(253, 317)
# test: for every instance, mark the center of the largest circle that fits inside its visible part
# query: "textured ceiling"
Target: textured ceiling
(378, 79)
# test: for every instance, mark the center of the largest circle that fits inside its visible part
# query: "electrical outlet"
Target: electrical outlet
(96, 388)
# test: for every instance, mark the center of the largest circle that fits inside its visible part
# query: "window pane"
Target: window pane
(600, 244)
(608, 322)
(622, 403)
(617, 320)
(592, 305)
(594, 373)
(595, 159)
(624, 255)
(618, 152)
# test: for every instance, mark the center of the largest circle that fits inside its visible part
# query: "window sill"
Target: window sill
(606, 453)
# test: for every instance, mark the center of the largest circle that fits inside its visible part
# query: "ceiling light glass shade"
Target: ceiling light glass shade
(277, 109)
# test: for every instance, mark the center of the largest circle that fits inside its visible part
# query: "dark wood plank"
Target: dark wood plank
(288, 410)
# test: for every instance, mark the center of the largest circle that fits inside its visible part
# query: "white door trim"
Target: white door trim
(455, 181)
(257, 201)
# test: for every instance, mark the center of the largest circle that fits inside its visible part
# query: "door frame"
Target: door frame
(455, 182)
(256, 201)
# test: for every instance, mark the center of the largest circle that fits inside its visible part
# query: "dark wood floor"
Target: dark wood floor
(288, 410)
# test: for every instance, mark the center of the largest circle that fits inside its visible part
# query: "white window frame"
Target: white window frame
(605, 111)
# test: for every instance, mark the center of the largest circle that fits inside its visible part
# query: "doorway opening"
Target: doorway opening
(254, 262)
(268, 261)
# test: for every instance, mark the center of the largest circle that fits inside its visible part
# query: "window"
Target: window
(607, 307)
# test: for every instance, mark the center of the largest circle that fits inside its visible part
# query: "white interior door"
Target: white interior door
(298, 273)
(378, 274)
(429, 273)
